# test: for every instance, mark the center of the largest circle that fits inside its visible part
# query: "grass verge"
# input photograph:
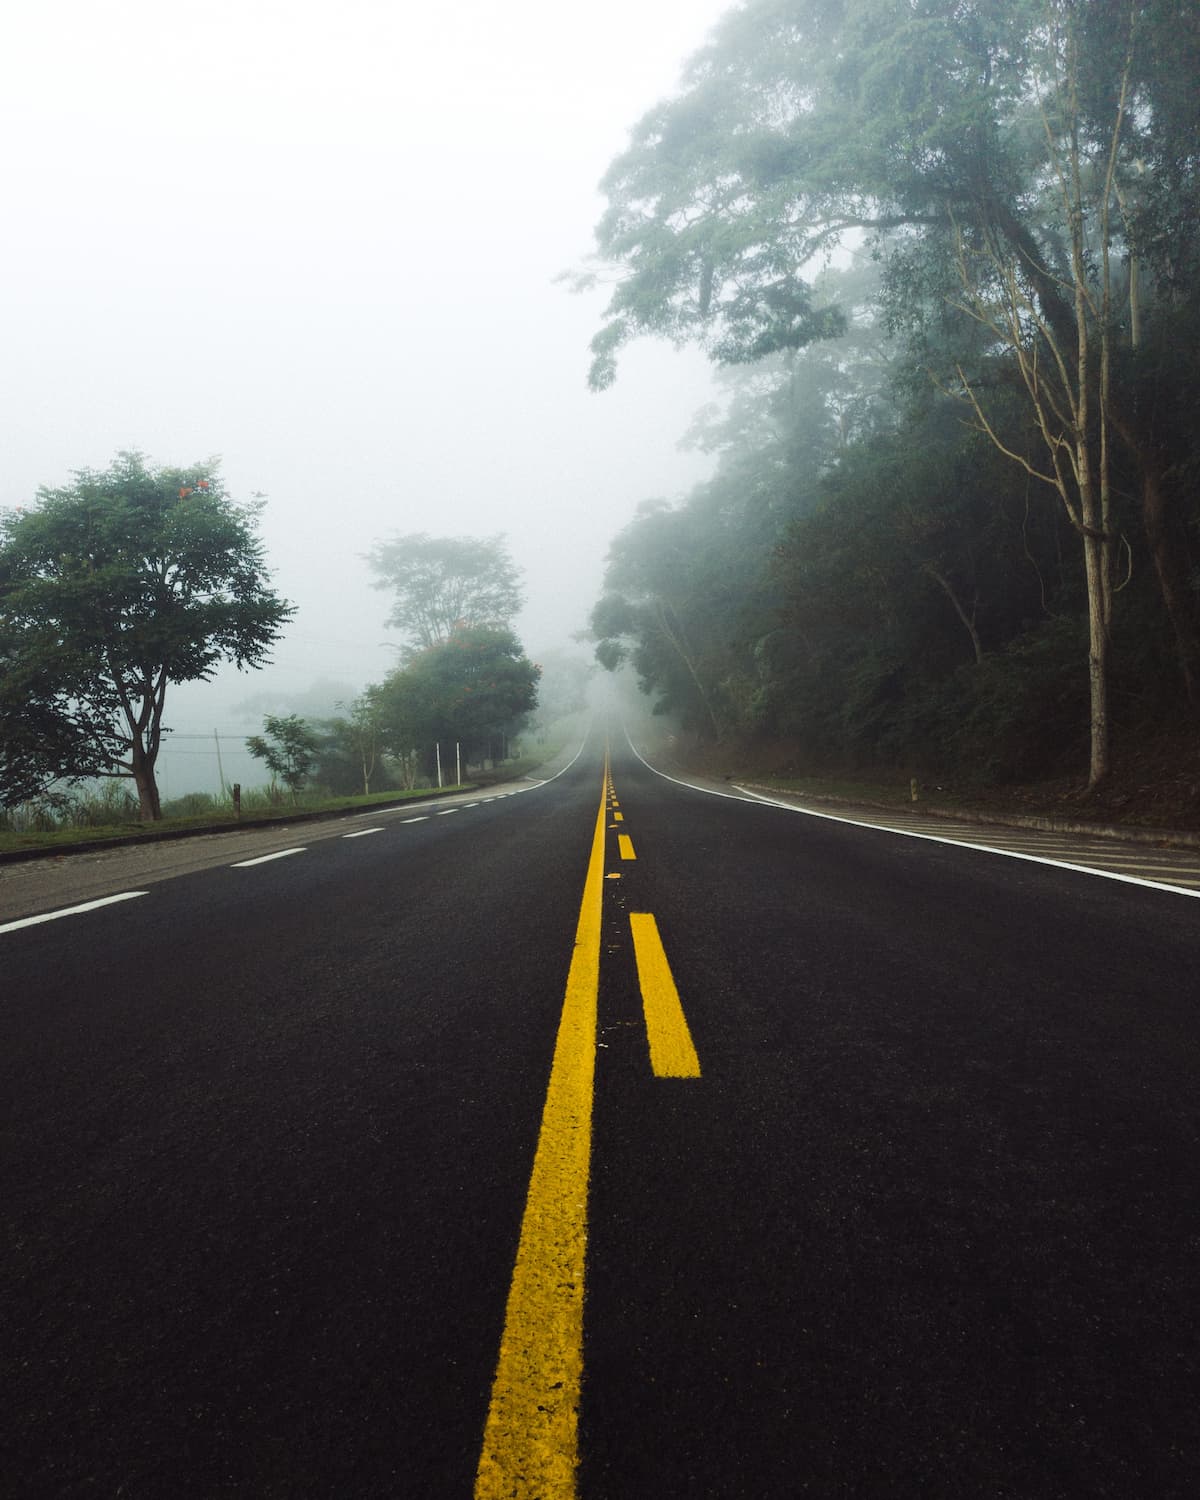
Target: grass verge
(214, 820)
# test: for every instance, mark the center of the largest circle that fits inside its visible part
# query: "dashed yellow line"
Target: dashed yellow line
(625, 845)
(531, 1437)
(672, 1054)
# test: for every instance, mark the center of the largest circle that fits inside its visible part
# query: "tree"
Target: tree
(441, 583)
(1021, 131)
(111, 589)
(349, 750)
(472, 688)
(289, 749)
(45, 729)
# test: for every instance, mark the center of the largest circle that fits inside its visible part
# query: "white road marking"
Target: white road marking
(424, 819)
(470, 804)
(1058, 864)
(567, 767)
(362, 833)
(70, 911)
(244, 864)
(446, 811)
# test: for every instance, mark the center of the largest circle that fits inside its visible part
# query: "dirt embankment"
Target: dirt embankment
(1155, 783)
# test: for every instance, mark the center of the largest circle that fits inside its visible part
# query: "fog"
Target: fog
(321, 242)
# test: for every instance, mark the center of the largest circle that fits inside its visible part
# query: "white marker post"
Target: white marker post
(457, 763)
(437, 751)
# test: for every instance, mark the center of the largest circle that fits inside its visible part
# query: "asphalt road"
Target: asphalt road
(925, 1224)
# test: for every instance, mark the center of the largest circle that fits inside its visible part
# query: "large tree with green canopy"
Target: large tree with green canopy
(1010, 143)
(474, 687)
(111, 589)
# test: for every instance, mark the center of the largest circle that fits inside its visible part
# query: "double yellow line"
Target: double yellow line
(531, 1436)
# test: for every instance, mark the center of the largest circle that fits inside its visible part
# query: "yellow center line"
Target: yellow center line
(672, 1054)
(625, 845)
(531, 1437)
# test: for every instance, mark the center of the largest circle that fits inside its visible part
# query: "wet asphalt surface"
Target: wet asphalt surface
(926, 1225)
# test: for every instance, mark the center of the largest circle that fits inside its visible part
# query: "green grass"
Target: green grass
(203, 812)
(109, 813)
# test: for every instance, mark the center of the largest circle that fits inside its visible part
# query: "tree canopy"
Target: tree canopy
(111, 589)
(442, 583)
(474, 687)
(288, 747)
(1004, 167)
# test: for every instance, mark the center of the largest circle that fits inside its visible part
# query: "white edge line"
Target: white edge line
(932, 838)
(383, 811)
(244, 864)
(565, 769)
(70, 911)
(362, 833)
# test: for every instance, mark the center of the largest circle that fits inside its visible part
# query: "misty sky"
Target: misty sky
(320, 241)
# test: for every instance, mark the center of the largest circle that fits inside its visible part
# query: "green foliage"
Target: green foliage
(876, 571)
(472, 688)
(349, 754)
(192, 805)
(442, 583)
(111, 589)
(288, 746)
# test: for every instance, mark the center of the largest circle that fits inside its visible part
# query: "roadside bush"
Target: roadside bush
(193, 805)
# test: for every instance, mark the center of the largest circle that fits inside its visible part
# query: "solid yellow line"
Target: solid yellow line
(530, 1439)
(625, 845)
(672, 1054)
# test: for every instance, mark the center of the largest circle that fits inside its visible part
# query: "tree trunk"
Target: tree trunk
(1170, 581)
(149, 806)
(1099, 639)
(1165, 554)
(968, 620)
(677, 642)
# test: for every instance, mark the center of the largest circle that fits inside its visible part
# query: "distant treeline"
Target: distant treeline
(954, 523)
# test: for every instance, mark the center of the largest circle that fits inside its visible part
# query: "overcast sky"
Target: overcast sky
(320, 241)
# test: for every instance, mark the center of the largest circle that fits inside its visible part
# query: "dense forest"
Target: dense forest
(947, 256)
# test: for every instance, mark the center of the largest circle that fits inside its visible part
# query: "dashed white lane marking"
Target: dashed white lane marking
(362, 833)
(69, 911)
(424, 819)
(469, 804)
(244, 864)
(808, 812)
(446, 811)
